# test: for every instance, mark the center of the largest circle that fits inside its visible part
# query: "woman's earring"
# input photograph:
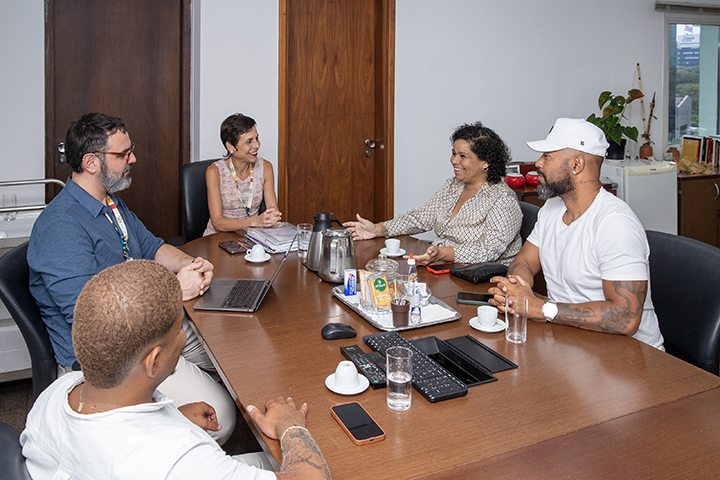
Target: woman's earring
(485, 168)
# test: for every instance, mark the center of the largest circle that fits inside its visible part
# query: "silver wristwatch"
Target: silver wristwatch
(550, 311)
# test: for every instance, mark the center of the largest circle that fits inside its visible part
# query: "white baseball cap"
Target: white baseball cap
(574, 133)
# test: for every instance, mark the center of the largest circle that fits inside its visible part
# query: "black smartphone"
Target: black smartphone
(357, 423)
(473, 298)
(232, 247)
(440, 268)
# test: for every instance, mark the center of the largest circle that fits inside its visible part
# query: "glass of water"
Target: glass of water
(516, 307)
(399, 378)
(9, 201)
(304, 231)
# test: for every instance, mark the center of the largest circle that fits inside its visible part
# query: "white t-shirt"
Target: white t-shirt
(152, 440)
(607, 242)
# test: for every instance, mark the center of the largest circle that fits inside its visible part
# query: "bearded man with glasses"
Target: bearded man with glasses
(87, 228)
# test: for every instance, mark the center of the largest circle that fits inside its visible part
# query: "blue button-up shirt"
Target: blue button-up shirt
(71, 241)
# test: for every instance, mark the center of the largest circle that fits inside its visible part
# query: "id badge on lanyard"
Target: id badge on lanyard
(122, 232)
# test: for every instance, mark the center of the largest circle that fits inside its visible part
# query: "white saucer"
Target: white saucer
(362, 385)
(399, 253)
(498, 327)
(267, 257)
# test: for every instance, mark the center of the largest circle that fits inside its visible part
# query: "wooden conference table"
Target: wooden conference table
(580, 404)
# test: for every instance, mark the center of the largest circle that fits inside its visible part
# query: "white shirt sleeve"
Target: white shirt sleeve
(206, 461)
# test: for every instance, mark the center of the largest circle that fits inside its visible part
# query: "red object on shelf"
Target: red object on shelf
(532, 178)
(514, 179)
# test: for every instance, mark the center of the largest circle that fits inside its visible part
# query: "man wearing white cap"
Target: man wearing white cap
(590, 245)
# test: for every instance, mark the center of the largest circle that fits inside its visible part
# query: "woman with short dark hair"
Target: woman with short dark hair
(238, 183)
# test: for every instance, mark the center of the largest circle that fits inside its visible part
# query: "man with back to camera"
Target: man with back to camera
(591, 247)
(87, 228)
(110, 421)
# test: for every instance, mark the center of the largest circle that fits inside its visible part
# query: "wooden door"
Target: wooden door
(699, 208)
(336, 92)
(130, 59)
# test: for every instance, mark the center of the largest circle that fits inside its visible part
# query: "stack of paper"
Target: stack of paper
(275, 239)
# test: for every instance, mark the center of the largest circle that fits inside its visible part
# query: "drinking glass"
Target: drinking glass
(399, 378)
(516, 306)
(304, 231)
(9, 200)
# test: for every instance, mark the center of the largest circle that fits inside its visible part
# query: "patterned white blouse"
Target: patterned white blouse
(486, 229)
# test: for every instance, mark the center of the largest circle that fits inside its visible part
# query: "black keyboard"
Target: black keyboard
(428, 377)
(244, 293)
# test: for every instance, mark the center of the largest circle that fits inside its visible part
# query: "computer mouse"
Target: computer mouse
(333, 331)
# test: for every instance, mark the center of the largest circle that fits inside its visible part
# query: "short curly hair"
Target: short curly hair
(487, 145)
(233, 127)
(120, 312)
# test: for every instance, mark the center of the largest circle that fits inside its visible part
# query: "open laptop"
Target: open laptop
(238, 295)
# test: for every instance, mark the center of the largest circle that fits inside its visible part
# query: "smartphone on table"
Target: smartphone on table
(357, 423)
(442, 267)
(232, 247)
(473, 298)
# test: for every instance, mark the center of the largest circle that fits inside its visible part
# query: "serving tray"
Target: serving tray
(383, 321)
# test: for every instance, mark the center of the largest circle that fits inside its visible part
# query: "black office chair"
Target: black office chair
(194, 199)
(15, 294)
(529, 212)
(12, 461)
(684, 279)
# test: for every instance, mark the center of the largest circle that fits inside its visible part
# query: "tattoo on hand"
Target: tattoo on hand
(383, 230)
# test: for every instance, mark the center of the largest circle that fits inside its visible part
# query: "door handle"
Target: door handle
(370, 143)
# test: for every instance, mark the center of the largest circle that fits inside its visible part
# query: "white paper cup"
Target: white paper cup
(257, 252)
(392, 245)
(487, 315)
(346, 375)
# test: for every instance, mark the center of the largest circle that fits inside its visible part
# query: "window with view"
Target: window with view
(693, 80)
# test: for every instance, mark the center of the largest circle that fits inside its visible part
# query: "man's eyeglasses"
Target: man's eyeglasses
(125, 154)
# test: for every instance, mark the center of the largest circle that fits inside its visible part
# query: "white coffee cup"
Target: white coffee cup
(487, 315)
(346, 375)
(392, 245)
(257, 253)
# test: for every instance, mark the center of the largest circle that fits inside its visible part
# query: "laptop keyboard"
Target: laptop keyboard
(244, 293)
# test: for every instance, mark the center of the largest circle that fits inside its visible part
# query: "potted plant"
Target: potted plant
(613, 107)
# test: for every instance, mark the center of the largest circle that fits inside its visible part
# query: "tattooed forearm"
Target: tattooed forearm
(523, 270)
(300, 453)
(383, 230)
(621, 313)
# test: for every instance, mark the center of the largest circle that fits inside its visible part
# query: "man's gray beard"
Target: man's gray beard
(113, 182)
(550, 190)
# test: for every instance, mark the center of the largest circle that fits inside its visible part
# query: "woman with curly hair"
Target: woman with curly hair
(475, 215)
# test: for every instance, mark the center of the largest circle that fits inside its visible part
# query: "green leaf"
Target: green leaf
(602, 100)
(615, 134)
(631, 133)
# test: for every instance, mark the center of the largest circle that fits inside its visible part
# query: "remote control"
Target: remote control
(372, 364)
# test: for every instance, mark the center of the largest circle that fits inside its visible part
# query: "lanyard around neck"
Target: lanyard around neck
(237, 185)
(122, 233)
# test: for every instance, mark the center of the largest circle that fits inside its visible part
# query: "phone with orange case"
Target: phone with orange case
(357, 423)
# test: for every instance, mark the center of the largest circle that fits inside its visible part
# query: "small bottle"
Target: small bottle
(415, 313)
(412, 270)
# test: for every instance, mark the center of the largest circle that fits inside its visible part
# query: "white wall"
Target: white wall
(238, 72)
(22, 97)
(516, 65)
